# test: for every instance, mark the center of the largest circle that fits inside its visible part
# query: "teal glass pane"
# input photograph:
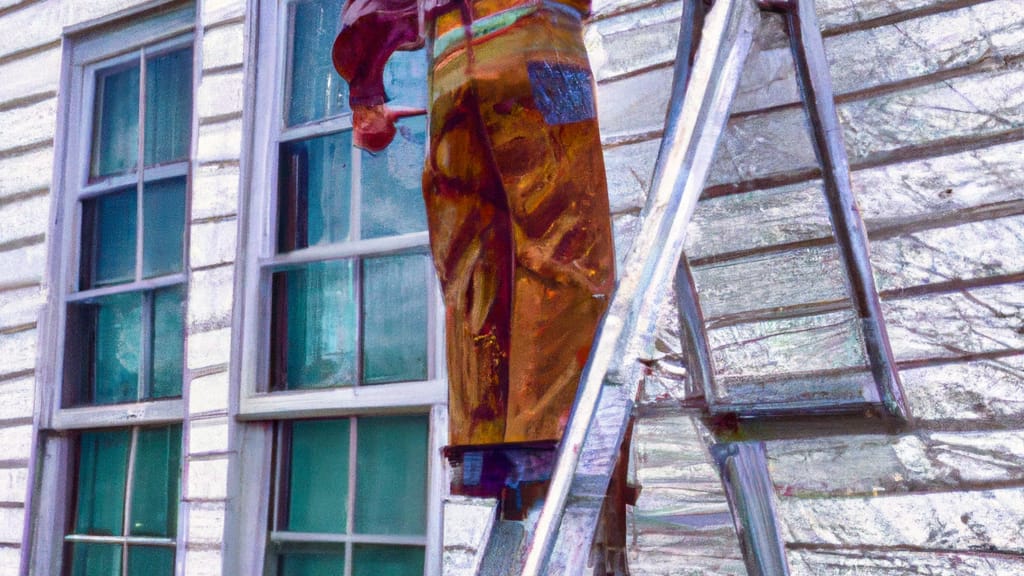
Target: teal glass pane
(405, 79)
(314, 191)
(168, 107)
(117, 344)
(168, 342)
(312, 564)
(318, 481)
(371, 560)
(314, 326)
(102, 473)
(392, 183)
(150, 561)
(391, 475)
(395, 318)
(115, 127)
(155, 485)
(108, 239)
(95, 559)
(315, 90)
(163, 227)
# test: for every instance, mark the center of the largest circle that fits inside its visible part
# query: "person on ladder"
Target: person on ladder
(518, 216)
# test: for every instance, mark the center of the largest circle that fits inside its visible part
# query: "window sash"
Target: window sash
(263, 260)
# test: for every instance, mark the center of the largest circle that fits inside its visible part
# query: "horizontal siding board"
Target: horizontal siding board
(210, 299)
(774, 143)
(34, 25)
(630, 169)
(215, 191)
(888, 196)
(23, 265)
(868, 464)
(26, 172)
(990, 520)
(17, 398)
(986, 392)
(633, 40)
(24, 218)
(780, 279)
(13, 484)
(223, 46)
(76, 13)
(16, 441)
(633, 106)
(788, 346)
(902, 563)
(29, 75)
(26, 125)
(20, 306)
(11, 521)
(213, 243)
(804, 276)
(976, 250)
(220, 95)
(18, 351)
(959, 324)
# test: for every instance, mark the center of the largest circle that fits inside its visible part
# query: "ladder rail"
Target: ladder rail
(697, 114)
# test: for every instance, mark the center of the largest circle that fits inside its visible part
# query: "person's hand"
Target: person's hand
(373, 127)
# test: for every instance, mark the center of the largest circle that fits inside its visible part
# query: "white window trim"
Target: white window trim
(159, 25)
(247, 534)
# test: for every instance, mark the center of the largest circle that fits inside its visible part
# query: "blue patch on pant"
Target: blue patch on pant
(563, 94)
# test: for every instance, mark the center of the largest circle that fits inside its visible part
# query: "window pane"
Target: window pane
(395, 318)
(155, 485)
(150, 561)
(369, 560)
(318, 486)
(168, 342)
(118, 334)
(115, 127)
(392, 183)
(314, 326)
(312, 565)
(405, 79)
(168, 107)
(163, 227)
(102, 470)
(391, 475)
(315, 90)
(313, 193)
(108, 239)
(96, 559)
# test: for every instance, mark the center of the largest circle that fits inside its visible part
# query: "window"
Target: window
(341, 344)
(112, 413)
(351, 488)
(126, 502)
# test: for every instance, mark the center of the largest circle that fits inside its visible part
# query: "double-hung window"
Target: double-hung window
(113, 401)
(340, 333)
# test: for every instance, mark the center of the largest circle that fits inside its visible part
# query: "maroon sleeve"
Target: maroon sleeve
(371, 30)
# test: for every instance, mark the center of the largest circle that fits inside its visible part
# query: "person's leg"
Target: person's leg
(470, 239)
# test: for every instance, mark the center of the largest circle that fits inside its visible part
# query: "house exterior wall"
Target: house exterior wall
(930, 96)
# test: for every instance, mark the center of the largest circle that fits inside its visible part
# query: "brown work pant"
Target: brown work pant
(517, 208)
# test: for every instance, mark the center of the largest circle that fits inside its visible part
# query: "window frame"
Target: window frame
(248, 536)
(261, 258)
(161, 26)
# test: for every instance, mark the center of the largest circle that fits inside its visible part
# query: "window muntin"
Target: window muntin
(124, 325)
(126, 502)
(351, 488)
